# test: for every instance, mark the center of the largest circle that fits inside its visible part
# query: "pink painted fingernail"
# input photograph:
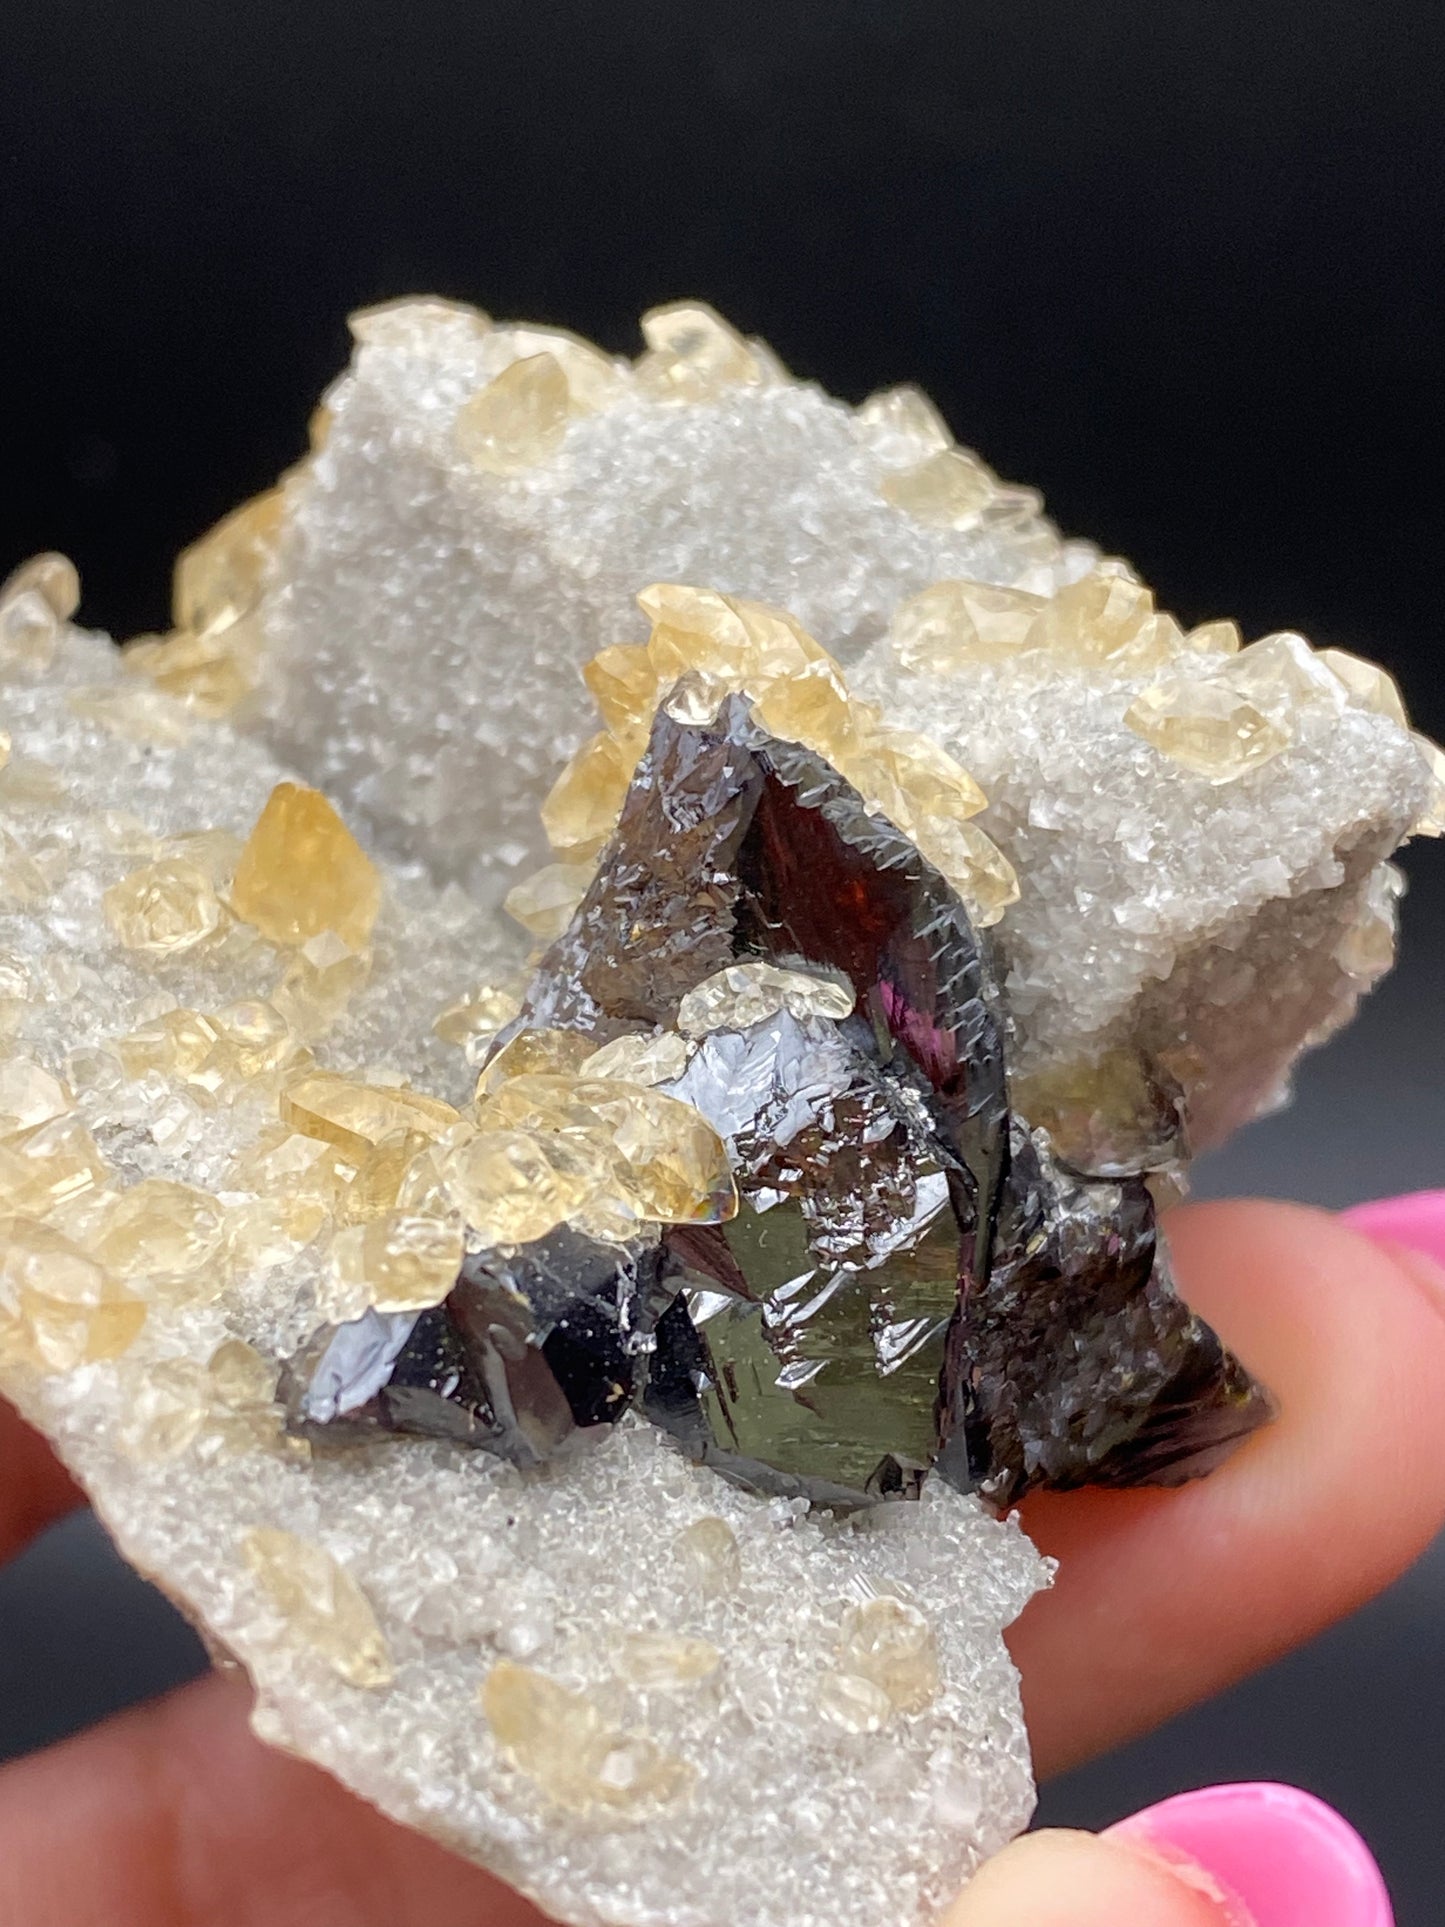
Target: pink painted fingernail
(1416, 1220)
(1280, 1855)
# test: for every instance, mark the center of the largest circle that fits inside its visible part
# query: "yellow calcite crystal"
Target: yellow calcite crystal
(1432, 822)
(748, 993)
(693, 355)
(709, 1553)
(473, 1019)
(29, 632)
(209, 674)
(550, 1053)
(973, 863)
(163, 908)
(594, 380)
(1207, 726)
(519, 419)
(29, 1095)
(178, 1043)
(640, 1059)
(951, 625)
(1108, 620)
(905, 411)
(625, 685)
(1371, 686)
(398, 1261)
(581, 809)
(399, 318)
(854, 1704)
(59, 1308)
(563, 1742)
(133, 712)
(1220, 635)
(505, 1184)
(320, 1604)
(544, 902)
(356, 1117)
(892, 1644)
(947, 490)
(48, 1165)
(222, 576)
(319, 983)
(169, 1235)
(662, 1661)
(302, 872)
(50, 575)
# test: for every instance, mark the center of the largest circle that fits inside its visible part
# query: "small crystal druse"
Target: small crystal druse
(910, 1277)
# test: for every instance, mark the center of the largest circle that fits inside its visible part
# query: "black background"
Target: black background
(1179, 264)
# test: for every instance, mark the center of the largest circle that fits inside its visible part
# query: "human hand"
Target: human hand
(172, 1815)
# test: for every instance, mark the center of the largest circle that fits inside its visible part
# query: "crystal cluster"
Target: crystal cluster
(926, 897)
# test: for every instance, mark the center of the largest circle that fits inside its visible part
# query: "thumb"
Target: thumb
(1227, 1856)
(1058, 1879)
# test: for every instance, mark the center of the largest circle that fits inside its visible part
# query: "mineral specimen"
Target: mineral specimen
(899, 949)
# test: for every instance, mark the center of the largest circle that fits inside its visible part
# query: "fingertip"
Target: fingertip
(1062, 1879)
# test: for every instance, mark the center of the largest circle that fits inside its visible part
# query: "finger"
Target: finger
(1076, 1880)
(1164, 1597)
(174, 1815)
(35, 1489)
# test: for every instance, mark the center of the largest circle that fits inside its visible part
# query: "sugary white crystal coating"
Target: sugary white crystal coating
(427, 622)
(776, 1816)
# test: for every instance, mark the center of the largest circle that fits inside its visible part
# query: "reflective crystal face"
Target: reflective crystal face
(911, 1279)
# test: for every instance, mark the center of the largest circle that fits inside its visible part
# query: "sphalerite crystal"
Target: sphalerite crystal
(911, 1277)
(927, 896)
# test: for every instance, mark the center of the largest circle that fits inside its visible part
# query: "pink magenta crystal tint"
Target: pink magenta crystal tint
(1416, 1220)
(1290, 1860)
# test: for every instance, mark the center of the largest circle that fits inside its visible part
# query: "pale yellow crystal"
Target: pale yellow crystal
(640, 1059)
(709, 1553)
(28, 783)
(951, 625)
(22, 881)
(58, 1307)
(473, 1019)
(814, 709)
(505, 1185)
(29, 1095)
(1432, 822)
(1279, 673)
(908, 413)
(594, 380)
(48, 1165)
(132, 712)
(321, 1603)
(852, 1703)
(565, 1744)
(664, 1161)
(169, 1401)
(302, 872)
(1207, 726)
(163, 908)
(239, 1376)
(973, 863)
(29, 632)
(220, 577)
(1371, 686)
(1221, 636)
(356, 1117)
(741, 994)
(170, 1234)
(178, 1043)
(208, 675)
(399, 1261)
(893, 1645)
(379, 1177)
(405, 315)
(624, 682)
(49, 574)
(581, 809)
(907, 777)
(663, 1660)
(545, 902)
(255, 1038)
(1106, 620)
(547, 1053)
(517, 420)
(319, 983)
(693, 355)
(948, 490)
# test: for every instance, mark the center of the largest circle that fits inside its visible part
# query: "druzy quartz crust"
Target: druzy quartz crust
(586, 1386)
